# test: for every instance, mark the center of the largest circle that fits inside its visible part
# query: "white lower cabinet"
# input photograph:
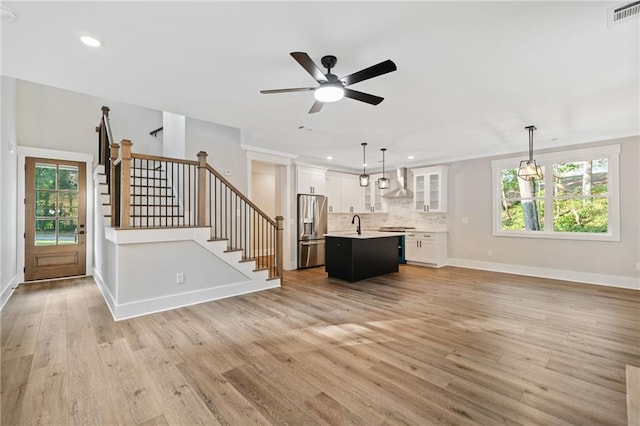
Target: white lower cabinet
(426, 247)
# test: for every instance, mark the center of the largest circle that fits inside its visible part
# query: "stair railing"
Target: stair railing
(105, 139)
(161, 192)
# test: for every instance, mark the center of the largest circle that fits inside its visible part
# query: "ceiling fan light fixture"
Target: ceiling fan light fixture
(329, 92)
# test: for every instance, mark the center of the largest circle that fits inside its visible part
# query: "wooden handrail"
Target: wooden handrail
(240, 194)
(160, 158)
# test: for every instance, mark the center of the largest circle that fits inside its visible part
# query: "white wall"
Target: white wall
(201, 269)
(470, 197)
(58, 119)
(8, 190)
(263, 187)
(222, 144)
(174, 143)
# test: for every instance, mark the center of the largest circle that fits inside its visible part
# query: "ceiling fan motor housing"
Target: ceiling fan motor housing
(329, 61)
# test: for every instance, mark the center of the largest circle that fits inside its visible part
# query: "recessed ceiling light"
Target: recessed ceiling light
(410, 157)
(90, 41)
(329, 157)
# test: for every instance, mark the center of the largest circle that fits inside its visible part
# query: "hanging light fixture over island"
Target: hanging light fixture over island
(383, 182)
(364, 177)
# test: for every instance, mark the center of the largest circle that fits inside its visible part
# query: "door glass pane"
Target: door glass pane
(67, 232)
(45, 203)
(45, 234)
(68, 177)
(45, 176)
(68, 204)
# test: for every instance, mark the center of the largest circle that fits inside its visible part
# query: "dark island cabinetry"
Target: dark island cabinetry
(357, 257)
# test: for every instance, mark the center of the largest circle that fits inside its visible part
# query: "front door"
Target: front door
(55, 210)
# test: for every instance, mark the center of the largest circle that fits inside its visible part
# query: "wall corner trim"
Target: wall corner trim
(8, 291)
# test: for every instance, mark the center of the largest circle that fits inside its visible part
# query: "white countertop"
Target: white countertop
(364, 235)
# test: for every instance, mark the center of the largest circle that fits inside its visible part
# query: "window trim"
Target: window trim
(611, 152)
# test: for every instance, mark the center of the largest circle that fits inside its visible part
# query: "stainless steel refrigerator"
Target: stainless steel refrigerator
(312, 225)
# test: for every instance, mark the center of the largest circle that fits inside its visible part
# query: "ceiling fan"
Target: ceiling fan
(331, 87)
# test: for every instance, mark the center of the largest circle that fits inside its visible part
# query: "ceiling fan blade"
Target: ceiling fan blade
(316, 107)
(307, 63)
(367, 73)
(296, 89)
(364, 97)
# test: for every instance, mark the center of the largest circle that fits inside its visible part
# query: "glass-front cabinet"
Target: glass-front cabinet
(373, 196)
(430, 189)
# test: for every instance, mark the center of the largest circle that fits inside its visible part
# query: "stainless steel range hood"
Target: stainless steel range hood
(402, 191)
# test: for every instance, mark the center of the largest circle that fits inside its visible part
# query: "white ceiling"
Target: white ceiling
(470, 75)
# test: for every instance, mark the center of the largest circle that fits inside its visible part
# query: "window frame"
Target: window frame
(547, 160)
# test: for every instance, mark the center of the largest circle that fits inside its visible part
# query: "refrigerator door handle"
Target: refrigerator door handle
(311, 243)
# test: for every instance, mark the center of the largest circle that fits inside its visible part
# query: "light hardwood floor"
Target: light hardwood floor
(419, 347)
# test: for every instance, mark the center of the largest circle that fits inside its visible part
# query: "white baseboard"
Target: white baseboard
(106, 293)
(8, 291)
(173, 301)
(556, 274)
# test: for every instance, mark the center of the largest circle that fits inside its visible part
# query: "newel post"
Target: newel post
(125, 184)
(279, 246)
(201, 188)
(114, 182)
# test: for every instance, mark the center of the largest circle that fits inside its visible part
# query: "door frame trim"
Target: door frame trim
(81, 157)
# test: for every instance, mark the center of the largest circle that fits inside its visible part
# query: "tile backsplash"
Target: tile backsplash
(399, 213)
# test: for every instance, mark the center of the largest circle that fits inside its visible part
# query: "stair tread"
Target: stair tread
(231, 249)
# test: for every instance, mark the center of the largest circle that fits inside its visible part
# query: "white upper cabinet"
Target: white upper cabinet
(334, 193)
(344, 193)
(430, 189)
(310, 180)
(373, 202)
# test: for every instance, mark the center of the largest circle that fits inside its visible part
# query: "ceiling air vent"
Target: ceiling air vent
(623, 13)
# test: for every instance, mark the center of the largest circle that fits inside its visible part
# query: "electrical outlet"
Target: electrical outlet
(489, 252)
(180, 277)
(465, 220)
(638, 266)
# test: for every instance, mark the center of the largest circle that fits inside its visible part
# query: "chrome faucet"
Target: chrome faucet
(353, 220)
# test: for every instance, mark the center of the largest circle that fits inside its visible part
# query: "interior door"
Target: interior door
(55, 213)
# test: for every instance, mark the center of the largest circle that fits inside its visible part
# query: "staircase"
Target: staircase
(148, 200)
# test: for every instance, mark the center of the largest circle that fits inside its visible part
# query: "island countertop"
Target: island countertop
(364, 235)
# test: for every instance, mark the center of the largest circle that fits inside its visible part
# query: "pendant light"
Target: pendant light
(383, 182)
(529, 170)
(364, 177)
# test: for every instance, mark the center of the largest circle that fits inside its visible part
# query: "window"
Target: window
(578, 198)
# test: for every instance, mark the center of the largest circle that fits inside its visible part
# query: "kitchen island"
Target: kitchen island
(354, 257)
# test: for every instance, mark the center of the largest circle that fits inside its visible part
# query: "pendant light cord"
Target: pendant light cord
(364, 158)
(531, 129)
